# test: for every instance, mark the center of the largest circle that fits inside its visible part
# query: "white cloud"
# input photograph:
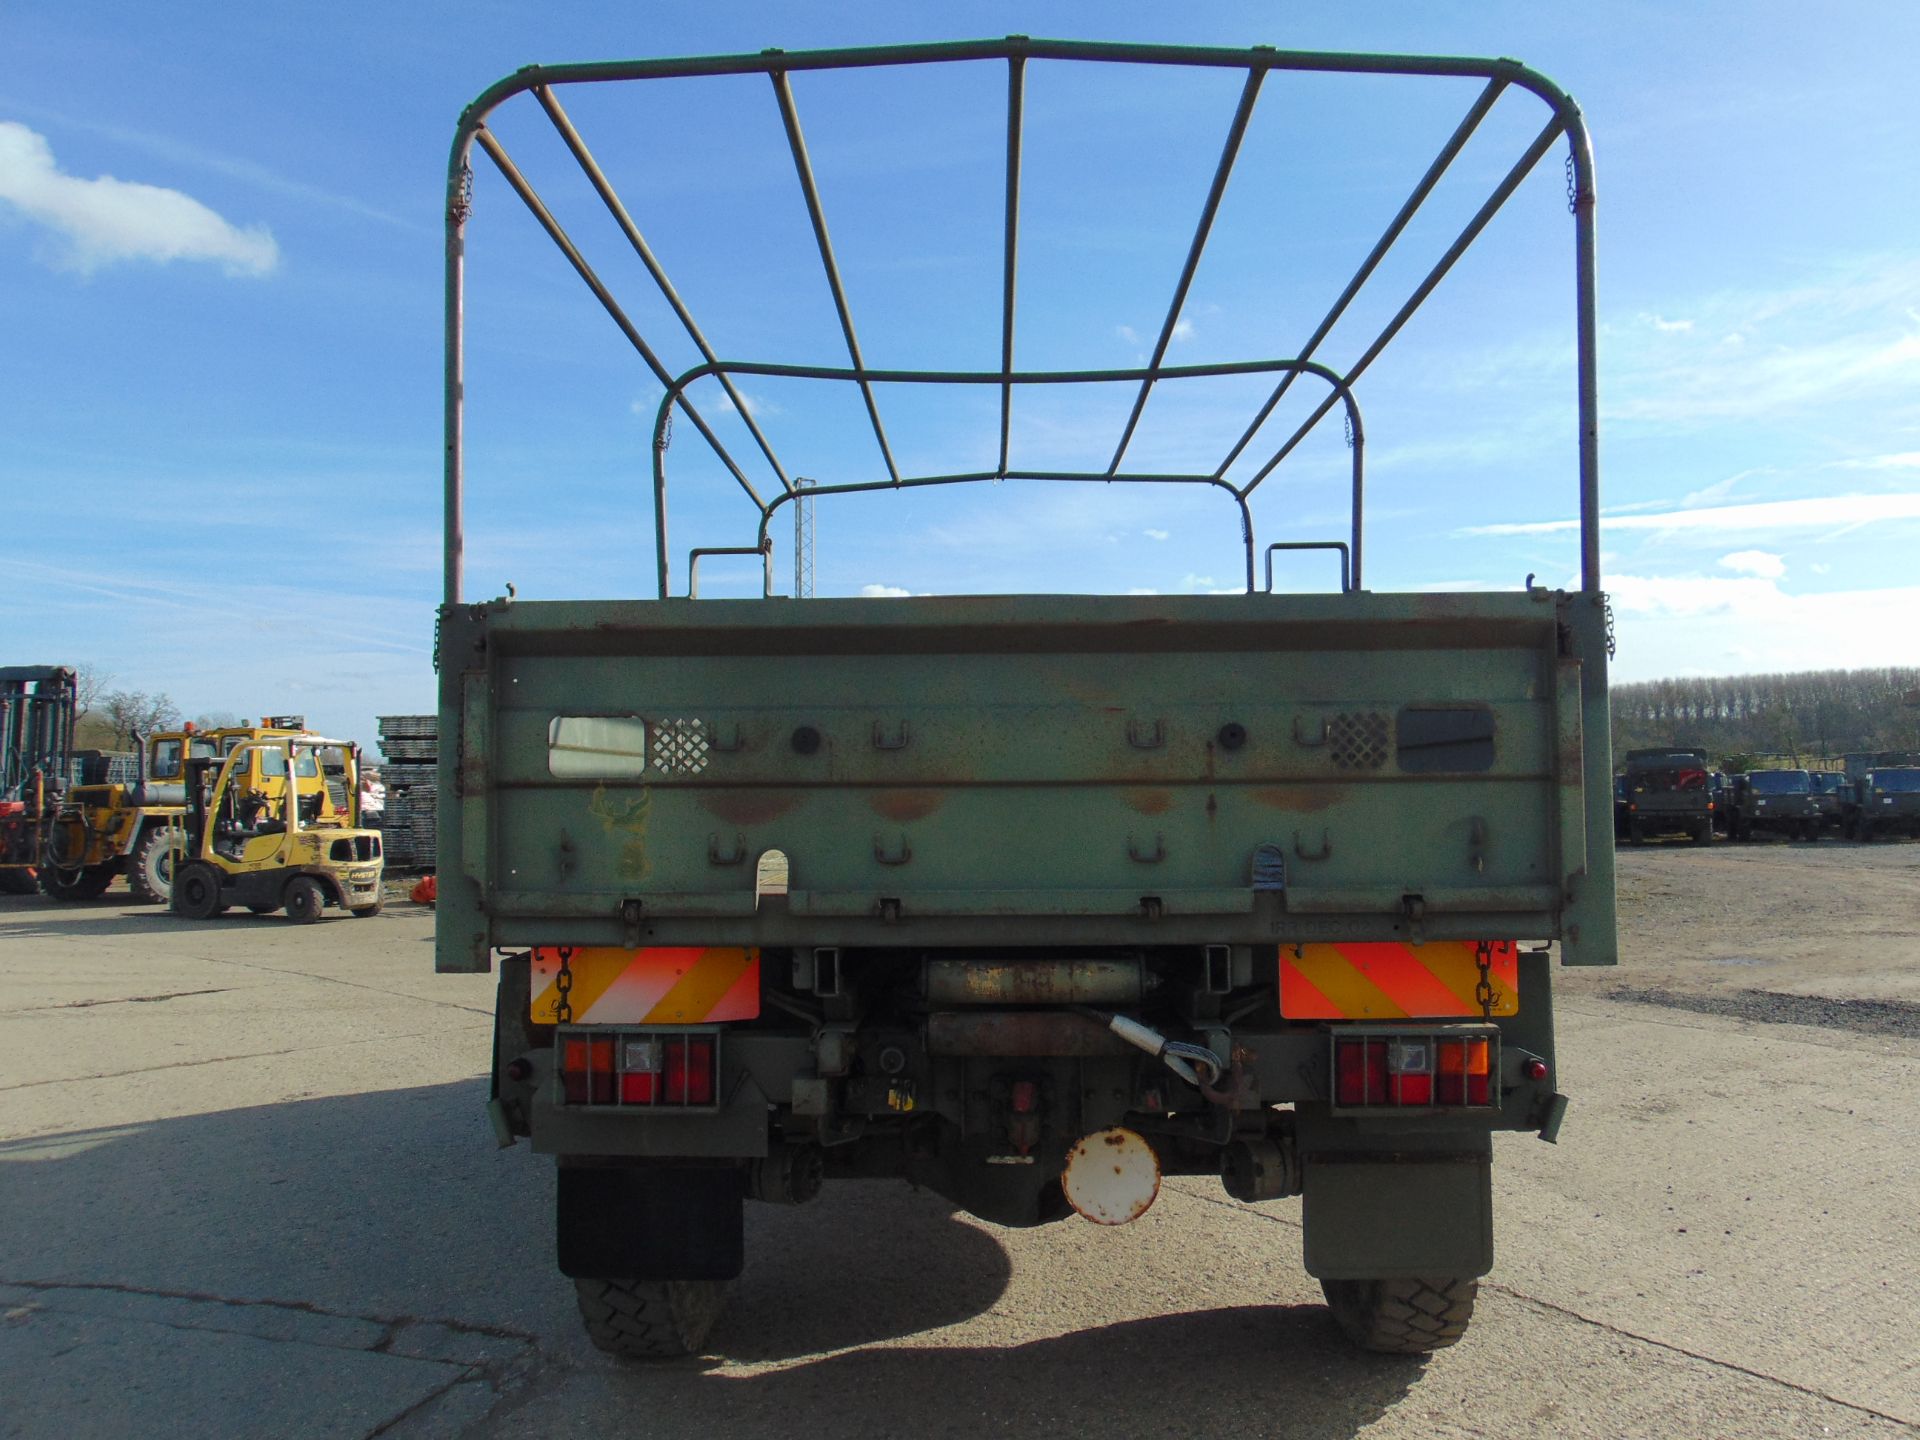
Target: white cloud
(1183, 329)
(1904, 460)
(1198, 582)
(1817, 513)
(1763, 563)
(884, 592)
(1666, 326)
(1695, 625)
(756, 406)
(1127, 333)
(1143, 590)
(1158, 534)
(105, 220)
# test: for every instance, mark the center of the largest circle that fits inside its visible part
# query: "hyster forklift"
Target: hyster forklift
(270, 850)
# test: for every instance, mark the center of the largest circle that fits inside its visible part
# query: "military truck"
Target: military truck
(1774, 802)
(1668, 794)
(1833, 798)
(1032, 900)
(1887, 803)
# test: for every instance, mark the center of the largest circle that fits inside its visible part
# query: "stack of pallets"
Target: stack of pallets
(410, 745)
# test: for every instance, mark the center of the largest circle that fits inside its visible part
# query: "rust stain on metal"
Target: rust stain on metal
(1301, 798)
(904, 805)
(749, 807)
(1148, 802)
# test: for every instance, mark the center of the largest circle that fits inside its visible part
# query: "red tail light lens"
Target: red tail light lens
(650, 1069)
(586, 1069)
(689, 1071)
(1413, 1071)
(1360, 1072)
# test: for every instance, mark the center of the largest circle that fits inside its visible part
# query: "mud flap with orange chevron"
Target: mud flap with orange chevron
(1395, 981)
(654, 985)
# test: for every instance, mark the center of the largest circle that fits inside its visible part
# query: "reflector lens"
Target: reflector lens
(637, 1087)
(1413, 1089)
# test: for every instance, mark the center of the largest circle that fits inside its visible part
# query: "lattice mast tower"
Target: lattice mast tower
(803, 539)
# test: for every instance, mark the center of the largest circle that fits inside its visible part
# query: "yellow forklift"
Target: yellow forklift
(101, 830)
(284, 849)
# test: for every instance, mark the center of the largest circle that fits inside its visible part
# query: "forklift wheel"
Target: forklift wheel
(365, 912)
(304, 899)
(196, 891)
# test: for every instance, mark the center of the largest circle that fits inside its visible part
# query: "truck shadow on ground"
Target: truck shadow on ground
(1277, 1369)
(394, 1205)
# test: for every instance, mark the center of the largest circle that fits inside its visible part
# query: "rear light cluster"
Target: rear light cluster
(679, 1070)
(1419, 1070)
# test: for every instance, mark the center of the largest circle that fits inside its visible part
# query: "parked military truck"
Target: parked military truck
(1887, 802)
(1029, 899)
(1833, 798)
(1774, 802)
(1668, 794)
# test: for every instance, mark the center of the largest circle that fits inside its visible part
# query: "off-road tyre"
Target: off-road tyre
(367, 912)
(19, 880)
(649, 1319)
(196, 891)
(1636, 833)
(87, 883)
(150, 867)
(1704, 835)
(1863, 832)
(1402, 1317)
(305, 901)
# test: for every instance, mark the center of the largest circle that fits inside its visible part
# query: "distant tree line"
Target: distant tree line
(1807, 716)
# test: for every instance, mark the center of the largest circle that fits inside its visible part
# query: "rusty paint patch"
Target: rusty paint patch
(904, 805)
(1148, 802)
(749, 807)
(1305, 799)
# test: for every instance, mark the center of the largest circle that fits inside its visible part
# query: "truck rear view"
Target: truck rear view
(1033, 900)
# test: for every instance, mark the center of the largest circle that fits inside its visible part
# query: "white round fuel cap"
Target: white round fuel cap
(1112, 1176)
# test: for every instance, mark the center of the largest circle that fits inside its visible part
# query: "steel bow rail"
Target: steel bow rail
(1016, 52)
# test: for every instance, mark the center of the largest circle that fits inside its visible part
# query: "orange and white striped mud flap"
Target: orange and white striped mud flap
(1395, 981)
(655, 985)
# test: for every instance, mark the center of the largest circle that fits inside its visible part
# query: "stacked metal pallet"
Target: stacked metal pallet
(410, 771)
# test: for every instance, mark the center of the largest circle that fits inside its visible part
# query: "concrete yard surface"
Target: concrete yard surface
(249, 1190)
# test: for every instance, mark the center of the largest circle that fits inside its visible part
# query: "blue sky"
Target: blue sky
(220, 272)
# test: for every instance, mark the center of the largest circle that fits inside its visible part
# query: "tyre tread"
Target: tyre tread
(649, 1319)
(1402, 1317)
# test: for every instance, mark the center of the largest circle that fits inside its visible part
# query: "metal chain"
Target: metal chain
(436, 643)
(665, 442)
(1483, 992)
(1573, 186)
(461, 206)
(1349, 421)
(563, 986)
(1606, 604)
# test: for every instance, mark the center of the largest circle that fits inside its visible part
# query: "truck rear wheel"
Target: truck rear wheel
(1402, 1317)
(150, 876)
(650, 1319)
